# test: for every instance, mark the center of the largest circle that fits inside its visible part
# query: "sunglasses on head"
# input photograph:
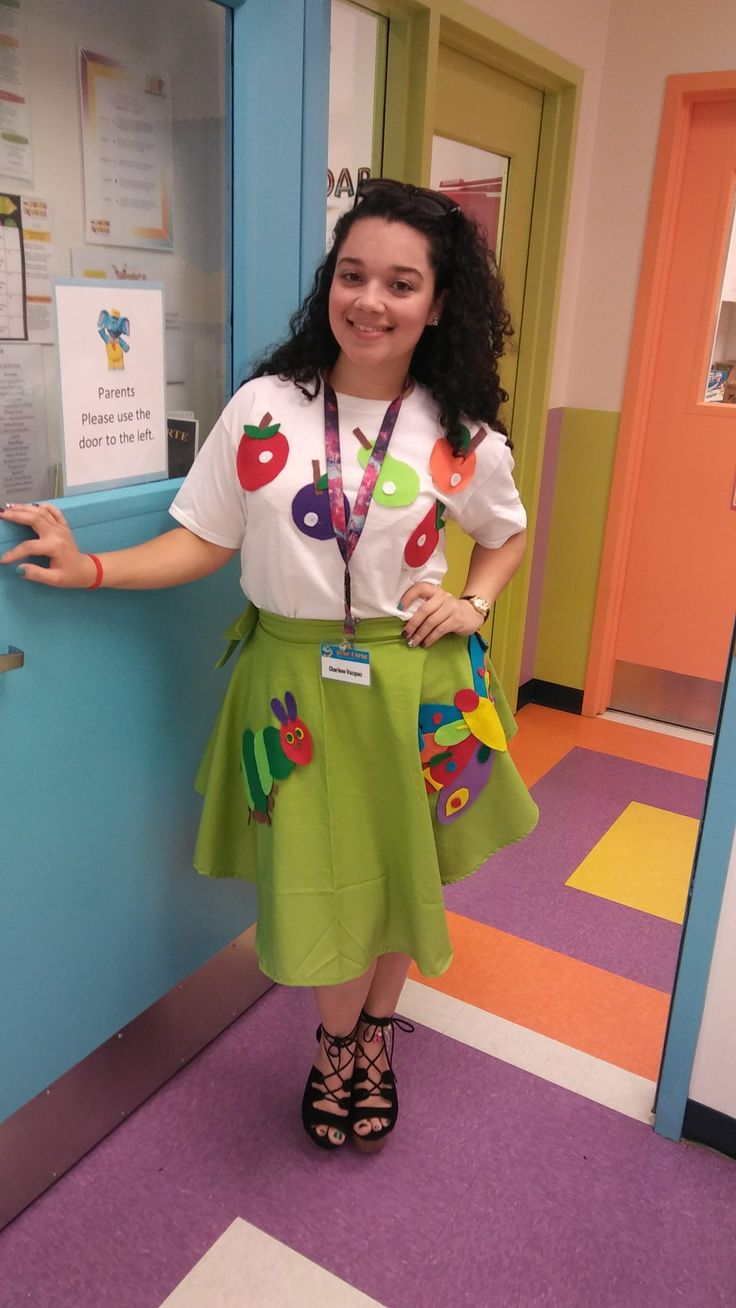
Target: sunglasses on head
(433, 203)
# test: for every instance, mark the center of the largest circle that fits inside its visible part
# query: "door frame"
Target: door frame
(416, 30)
(683, 91)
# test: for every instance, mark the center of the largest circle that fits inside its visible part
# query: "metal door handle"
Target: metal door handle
(14, 658)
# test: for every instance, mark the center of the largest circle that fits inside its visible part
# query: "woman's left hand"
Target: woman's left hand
(440, 614)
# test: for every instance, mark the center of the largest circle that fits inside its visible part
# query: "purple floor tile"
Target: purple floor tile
(498, 1189)
(522, 890)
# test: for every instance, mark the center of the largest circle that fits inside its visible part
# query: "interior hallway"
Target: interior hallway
(524, 1170)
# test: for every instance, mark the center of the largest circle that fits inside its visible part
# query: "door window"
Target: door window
(477, 180)
(114, 164)
(721, 384)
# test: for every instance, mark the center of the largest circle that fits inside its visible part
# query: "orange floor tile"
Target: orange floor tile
(586, 1007)
(546, 735)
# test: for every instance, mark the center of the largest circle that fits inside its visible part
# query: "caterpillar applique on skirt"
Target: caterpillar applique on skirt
(350, 806)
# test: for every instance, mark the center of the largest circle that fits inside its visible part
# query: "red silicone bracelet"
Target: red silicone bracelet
(98, 579)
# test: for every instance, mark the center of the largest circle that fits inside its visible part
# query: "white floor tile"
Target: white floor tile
(548, 1059)
(430, 1007)
(246, 1268)
(625, 1091)
(665, 728)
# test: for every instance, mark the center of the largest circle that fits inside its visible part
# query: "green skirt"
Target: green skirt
(349, 806)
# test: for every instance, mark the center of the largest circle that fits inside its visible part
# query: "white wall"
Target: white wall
(713, 1080)
(646, 42)
(627, 48)
(575, 30)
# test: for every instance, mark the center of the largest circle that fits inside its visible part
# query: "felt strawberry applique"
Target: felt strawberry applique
(262, 453)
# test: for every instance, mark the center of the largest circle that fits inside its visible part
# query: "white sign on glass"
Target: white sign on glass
(111, 367)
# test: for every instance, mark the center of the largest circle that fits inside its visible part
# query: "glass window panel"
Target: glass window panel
(178, 51)
(476, 180)
(357, 92)
(721, 384)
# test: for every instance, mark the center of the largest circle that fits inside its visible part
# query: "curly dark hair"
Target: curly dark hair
(456, 361)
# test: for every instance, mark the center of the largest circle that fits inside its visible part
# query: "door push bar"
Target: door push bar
(14, 658)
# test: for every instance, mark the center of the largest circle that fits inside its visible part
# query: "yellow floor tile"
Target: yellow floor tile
(644, 861)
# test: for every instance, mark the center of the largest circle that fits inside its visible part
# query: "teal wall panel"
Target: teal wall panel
(710, 871)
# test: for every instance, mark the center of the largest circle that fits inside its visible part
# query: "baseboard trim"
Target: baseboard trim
(550, 694)
(49, 1134)
(709, 1127)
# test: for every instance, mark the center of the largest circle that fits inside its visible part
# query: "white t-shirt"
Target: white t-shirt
(262, 495)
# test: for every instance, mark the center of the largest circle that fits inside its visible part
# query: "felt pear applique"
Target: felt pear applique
(450, 472)
(398, 483)
(262, 453)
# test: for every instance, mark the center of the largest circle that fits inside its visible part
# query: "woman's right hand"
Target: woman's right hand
(68, 567)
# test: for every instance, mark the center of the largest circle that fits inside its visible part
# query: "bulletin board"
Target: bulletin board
(114, 167)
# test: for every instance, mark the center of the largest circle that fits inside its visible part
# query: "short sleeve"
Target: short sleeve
(211, 503)
(490, 510)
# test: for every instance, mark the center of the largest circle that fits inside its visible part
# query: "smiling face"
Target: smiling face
(381, 299)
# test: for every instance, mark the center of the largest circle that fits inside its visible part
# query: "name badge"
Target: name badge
(343, 663)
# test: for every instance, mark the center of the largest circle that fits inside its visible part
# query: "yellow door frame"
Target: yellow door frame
(416, 30)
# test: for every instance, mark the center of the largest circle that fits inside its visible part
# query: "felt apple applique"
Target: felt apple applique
(398, 483)
(262, 453)
(450, 472)
(310, 507)
(425, 538)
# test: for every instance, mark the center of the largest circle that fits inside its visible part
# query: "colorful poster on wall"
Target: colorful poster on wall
(128, 158)
(166, 269)
(15, 123)
(13, 325)
(111, 368)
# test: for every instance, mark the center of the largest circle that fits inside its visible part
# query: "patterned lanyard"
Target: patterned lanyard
(348, 533)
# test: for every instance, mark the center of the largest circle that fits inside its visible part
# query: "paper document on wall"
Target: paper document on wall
(24, 451)
(12, 271)
(128, 156)
(15, 122)
(38, 252)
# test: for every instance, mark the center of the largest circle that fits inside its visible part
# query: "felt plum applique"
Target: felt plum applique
(398, 483)
(424, 540)
(450, 473)
(310, 507)
(262, 453)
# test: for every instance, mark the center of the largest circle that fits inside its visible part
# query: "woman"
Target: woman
(315, 784)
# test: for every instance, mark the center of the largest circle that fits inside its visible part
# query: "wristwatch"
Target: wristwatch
(480, 605)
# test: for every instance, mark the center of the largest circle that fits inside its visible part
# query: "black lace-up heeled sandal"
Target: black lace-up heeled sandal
(371, 1080)
(333, 1087)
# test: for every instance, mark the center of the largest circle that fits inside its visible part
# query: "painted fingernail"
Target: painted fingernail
(400, 606)
(21, 571)
(410, 643)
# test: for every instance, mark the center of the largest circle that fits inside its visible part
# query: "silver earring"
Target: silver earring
(435, 322)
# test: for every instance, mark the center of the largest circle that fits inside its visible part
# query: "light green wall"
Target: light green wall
(580, 504)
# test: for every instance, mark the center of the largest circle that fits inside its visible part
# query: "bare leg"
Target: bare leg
(381, 1001)
(339, 1007)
